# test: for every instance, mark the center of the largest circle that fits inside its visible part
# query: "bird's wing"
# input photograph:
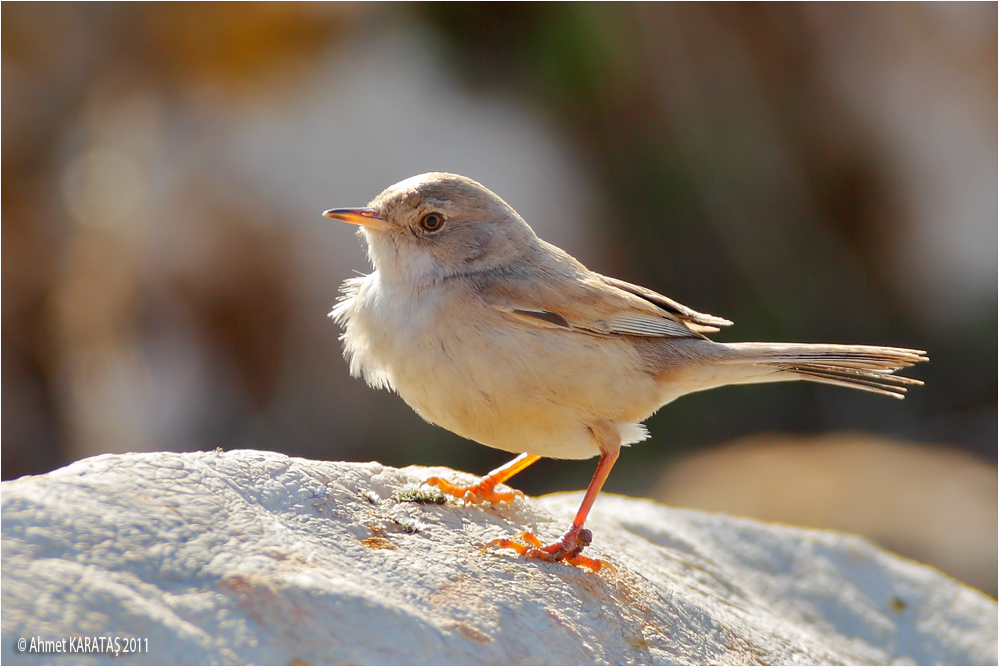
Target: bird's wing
(700, 322)
(596, 305)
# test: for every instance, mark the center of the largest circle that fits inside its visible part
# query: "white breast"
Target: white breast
(374, 317)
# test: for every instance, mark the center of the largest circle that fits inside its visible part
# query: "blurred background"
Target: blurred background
(814, 172)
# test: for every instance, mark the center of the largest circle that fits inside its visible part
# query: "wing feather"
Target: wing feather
(593, 304)
(702, 321)
(643, 325)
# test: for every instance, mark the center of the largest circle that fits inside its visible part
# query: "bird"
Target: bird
(492, 333)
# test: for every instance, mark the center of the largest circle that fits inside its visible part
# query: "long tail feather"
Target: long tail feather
(863, 367)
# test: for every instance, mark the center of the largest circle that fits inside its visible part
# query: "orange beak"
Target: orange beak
(365, 217)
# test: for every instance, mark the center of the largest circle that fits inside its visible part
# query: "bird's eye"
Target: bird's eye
(432, 221)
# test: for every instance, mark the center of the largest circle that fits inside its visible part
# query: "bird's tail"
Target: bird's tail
(863, 367)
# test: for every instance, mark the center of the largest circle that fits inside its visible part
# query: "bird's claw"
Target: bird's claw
(483, 492)
(567, 549)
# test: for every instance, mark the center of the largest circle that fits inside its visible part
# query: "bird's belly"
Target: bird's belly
(501, 383)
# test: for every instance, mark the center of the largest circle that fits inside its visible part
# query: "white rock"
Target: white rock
(254, 557)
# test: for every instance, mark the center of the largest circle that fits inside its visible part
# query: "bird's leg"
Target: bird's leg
(484, 490)
(571, 544)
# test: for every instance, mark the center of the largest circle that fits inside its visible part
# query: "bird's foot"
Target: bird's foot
(568, 548)
(483, 492)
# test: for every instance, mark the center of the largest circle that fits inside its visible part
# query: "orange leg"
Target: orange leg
(569, 546)
(485, 491)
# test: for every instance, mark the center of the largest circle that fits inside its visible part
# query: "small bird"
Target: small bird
(490, 332)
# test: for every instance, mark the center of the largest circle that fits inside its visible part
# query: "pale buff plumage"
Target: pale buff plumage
(488, 331)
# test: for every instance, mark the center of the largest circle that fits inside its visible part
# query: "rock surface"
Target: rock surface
(254, 557)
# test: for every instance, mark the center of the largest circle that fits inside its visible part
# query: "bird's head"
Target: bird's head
(436, 225)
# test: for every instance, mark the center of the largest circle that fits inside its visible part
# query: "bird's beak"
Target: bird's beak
(365, 217)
